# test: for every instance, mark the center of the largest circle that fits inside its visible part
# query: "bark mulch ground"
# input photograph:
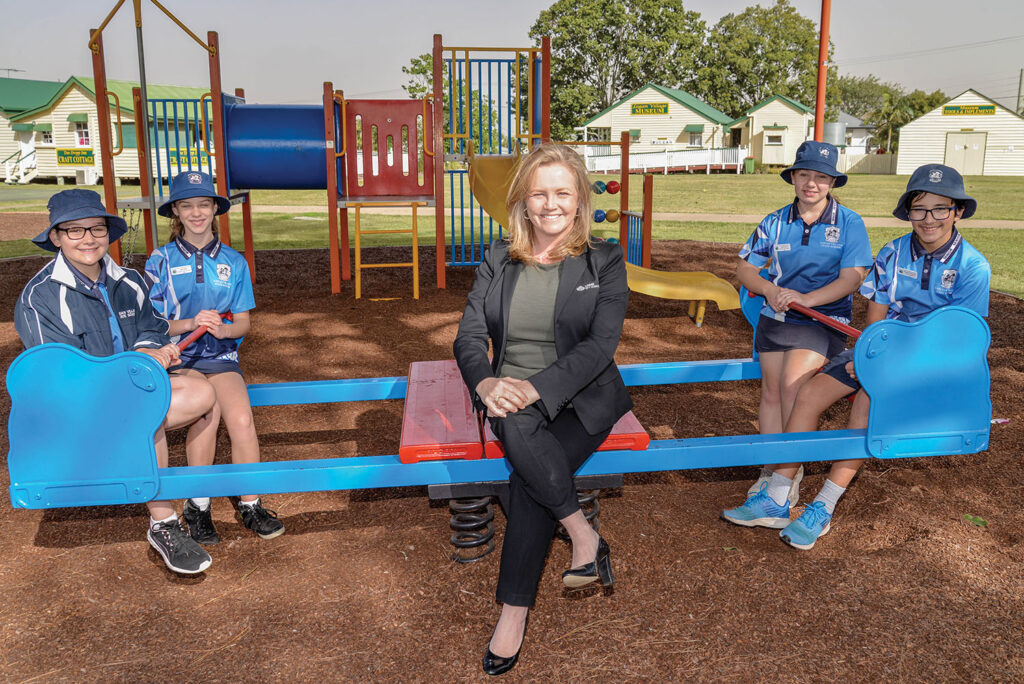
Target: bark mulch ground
(361, 587)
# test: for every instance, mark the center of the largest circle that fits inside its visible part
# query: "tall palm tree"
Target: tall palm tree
(893, 113)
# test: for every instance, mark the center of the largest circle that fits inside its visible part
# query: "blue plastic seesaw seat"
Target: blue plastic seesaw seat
(929, 384)
(81, 427)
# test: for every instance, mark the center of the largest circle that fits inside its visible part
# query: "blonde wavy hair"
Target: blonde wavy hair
(520, 230)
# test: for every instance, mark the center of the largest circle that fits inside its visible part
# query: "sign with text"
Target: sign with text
(75, 157)
(646, 108)
(188, 158)
(968, 110)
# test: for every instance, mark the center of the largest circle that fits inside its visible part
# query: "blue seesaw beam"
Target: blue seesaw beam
(929, 384)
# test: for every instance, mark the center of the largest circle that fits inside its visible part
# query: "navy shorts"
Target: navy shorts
(210, 366)
(836, 368)
(777, 336)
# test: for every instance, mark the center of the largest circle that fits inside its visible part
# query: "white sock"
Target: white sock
(171, 518)
(201, 502)
(778, 489)
(829, 494)
(248, 503)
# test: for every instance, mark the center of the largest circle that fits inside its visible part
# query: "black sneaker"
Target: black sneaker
(200, 523)
(260, 520)
(179, 551)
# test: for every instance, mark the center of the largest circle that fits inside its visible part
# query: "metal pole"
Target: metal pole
(144, 103)
(819, 109)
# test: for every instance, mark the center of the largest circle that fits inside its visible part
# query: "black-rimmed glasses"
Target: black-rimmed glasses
(77, 232)
(938, 213)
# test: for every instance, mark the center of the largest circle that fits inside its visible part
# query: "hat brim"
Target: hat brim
(116, 227)
(223, 203)
(900, 212)
(815, 166)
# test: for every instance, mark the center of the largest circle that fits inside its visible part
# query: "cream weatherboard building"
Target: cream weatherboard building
(972, 133)
(50, 130)
(772, 129)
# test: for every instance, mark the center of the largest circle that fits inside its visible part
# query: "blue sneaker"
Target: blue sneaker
(814, 522)
(759, 511)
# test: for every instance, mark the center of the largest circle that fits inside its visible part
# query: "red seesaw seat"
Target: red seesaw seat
(439, 422)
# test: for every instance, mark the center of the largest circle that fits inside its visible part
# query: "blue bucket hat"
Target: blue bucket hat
(190, 184)
(816, 156)
(74, 204)
(938, 180)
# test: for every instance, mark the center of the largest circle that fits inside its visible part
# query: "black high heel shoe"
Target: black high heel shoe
(600, 568)
(496, 665)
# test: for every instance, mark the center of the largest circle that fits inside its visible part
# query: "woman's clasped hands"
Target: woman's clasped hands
(503, 396)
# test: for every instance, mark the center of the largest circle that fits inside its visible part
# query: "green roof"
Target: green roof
(792, 103)
(123, 90)
(694, 128)
(680, 96)
(21, 94)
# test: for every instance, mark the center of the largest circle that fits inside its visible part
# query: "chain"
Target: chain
(133, 231)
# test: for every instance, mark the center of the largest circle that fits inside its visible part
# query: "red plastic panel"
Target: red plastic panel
(438, 421)
(390, 118)
(627, 434)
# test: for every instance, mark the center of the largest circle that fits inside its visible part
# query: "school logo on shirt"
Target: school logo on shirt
(935, 176)
(195, 179)
(948, 278)
(224, 272)
(832, 233)
(127, 313)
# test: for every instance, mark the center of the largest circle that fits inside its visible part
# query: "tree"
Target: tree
(601, 50)
(421, 69)
(758, 53)
(898, 109)
(861, 95)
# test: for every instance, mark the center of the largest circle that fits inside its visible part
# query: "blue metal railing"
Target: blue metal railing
(634, 244)
(178, 121)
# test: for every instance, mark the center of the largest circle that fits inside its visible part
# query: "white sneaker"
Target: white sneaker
(762, 480)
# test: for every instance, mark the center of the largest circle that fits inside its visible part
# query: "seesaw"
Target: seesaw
(928, 397)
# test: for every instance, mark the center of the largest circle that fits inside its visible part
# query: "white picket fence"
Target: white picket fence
(664, 161)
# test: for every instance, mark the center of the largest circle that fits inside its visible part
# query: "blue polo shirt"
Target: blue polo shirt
(185, 280)
(806, 257)
(913, 282)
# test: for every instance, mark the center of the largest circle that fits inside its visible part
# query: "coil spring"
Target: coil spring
(591, 508)
(472, 523)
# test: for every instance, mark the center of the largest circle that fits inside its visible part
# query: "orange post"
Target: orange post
(648, 222)
(819, 107)
(624, 189)
(437, 114)
(545, 89)
(141, 131)
(219, 150)
(332, 187)
(99, 73)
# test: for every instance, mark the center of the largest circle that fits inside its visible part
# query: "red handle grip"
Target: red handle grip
(200, 331)
(820, 317)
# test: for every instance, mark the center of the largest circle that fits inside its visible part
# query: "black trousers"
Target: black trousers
(544, 456)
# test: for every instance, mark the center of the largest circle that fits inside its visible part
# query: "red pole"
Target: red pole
(545, 89)
(437, 116)
(219, 149)
(99, 73)
(330, 152)
(140, 133)
(624, 190)
(648, 222)
(819, 108)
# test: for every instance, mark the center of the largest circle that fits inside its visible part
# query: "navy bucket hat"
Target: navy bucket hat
(74, 204)
(816, 156)
(188, 184)
(937, 179)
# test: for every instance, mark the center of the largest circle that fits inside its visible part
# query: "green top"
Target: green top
(530, 342)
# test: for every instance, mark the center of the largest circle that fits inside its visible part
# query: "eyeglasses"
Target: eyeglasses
(938, 213)
(77, 232)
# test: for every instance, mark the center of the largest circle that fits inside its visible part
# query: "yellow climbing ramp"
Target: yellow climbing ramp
(696, 287)
(490, 176)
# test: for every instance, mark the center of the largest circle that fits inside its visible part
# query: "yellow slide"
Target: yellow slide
(697, 287)
(490, 176)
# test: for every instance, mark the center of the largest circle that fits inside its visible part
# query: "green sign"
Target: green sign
(646, 108)
(187, 158)
(968, 110)
(75, 157)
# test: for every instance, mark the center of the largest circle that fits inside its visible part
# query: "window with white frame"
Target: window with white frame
(773, 139)
(695, 139)
(82, 134)
(45, 137)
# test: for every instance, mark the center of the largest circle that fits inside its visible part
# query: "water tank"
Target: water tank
(835, 133)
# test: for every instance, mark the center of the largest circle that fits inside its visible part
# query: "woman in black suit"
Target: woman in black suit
(551, 300)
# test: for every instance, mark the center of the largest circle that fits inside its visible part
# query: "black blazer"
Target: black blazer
(590, 306)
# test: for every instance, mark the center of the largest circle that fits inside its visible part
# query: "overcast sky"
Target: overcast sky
(281, 52)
